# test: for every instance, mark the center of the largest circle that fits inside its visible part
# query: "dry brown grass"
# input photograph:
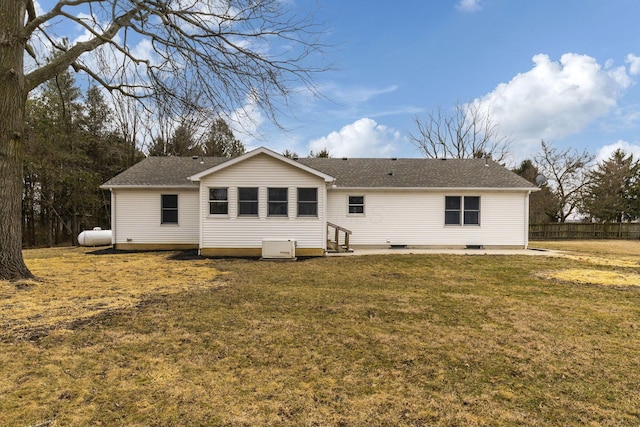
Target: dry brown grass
(407, 340)
(622, 255)
(614, 248)
(75, 284)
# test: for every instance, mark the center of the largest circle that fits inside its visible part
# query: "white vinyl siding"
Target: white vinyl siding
(138, 216)
(416, 218)
(263, 172)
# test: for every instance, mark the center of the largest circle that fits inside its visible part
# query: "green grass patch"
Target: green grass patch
(403, 340)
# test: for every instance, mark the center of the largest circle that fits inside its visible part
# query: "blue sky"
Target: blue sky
(564, 71)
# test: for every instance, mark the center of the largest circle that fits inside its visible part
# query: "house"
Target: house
(228, 207)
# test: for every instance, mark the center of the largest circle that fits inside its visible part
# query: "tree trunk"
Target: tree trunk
(12, 110)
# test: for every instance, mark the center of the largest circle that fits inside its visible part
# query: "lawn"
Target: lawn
(166, 339)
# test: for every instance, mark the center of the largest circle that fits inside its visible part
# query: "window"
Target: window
(247, 202)
(307, 202)
(356, 205)
(169, 209)
(462, 210)
(218, 201)
(472, 211)
(277, 199)
(452, 210)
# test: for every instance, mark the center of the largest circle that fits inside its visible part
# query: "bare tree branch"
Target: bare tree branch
(568, 174)
(466, 132)
(212, 57)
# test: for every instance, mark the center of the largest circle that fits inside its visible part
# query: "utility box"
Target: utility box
(278, 249)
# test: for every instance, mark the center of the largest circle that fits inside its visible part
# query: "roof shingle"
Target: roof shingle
(349, 173)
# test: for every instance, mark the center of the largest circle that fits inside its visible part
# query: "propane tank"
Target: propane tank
(95, 237)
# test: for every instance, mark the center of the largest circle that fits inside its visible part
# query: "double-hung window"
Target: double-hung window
(218, 201)
(308, 202)
(471, 210)
(278, 201)
(460, 210)
(356, 205)
(169, 209)
(247, 201)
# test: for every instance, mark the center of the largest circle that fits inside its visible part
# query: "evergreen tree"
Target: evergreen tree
(324, 153)
(614, 189)
(69, 148)
(56, 164)
(290, 154)
(221, 142)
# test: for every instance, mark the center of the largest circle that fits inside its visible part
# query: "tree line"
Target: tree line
(76, 140)
(578, 188)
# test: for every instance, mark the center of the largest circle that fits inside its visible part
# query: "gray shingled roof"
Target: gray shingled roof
(409, 173)
(164, 172)
(349, 173)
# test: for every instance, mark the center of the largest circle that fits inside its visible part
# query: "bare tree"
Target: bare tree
(468, 131)
(225, 52)
(543, 204)
(568, 174)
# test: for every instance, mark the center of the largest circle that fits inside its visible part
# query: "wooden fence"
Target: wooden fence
(577, 231)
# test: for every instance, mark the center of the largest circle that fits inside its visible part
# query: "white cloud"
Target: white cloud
(245, 123)
(353, 94)
(362, 138)
(554, 99)
(468, 5)
(634, 64)
(605, 152)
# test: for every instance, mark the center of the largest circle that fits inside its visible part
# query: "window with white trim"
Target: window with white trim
(356, 205)
(218, 201)
(278, 203)
(459, 210)
(169, 209)
(248, 201)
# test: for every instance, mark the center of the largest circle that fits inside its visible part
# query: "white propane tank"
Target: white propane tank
(95, 237)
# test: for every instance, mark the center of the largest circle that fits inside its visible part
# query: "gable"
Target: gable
(265, 153)
(261, 170)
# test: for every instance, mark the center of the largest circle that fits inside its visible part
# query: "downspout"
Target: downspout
(113, 218)
(200, 216)
(526, 219)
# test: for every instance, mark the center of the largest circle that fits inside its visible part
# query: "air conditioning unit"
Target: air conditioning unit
(278, 249)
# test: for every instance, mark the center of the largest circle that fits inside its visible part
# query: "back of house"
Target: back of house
(232, 206)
